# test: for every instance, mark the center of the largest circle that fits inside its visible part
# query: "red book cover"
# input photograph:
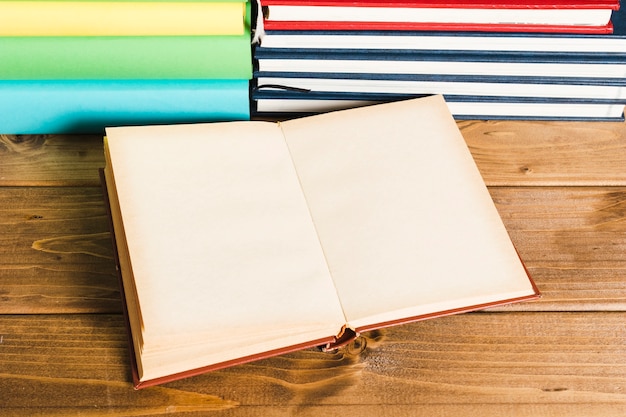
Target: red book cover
(548, 16)
(456, 4)
(444, 27)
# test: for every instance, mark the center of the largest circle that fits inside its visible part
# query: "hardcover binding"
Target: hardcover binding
(331, 343)
(438, 27)
(459, 4)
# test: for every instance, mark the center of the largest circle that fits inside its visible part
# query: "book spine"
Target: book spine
(75, 106)
(421, 55)
(497, 86)
(325, 77)
(143, 57)
(458, 4)
(286, 95)
(448, 27)
(503, 110)
(90, 18)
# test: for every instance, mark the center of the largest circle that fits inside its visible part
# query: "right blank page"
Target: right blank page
(405, 220)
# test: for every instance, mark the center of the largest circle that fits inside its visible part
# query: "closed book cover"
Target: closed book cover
(460, 62)
(121, 18)
(88, 106)
(126, 57)
(457, 4)
(246, 239)
(478, 85)
(614, 42)
(533, 16)
(447, 27)
(146, 57)
(272, 102)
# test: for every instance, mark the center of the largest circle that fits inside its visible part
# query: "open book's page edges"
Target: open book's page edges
(222, 365)
(446, 313)
(535, 295)
(137, 382)
(118, 270)
(348, 335)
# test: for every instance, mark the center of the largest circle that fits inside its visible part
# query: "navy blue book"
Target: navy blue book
(289, 102)
(483, 85)
(449, 62)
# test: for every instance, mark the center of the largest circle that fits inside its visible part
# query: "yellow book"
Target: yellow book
(121, 18)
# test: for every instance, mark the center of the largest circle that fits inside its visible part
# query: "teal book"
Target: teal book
(88, 106)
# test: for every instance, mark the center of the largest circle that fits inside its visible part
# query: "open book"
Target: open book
(242, 240)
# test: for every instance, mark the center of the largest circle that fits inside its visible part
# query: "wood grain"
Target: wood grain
(548, 153)
(560, 188)
(485, 364)
(56, 256)
(50, 160)
(506, 152)
(573, 241)
(55, 253)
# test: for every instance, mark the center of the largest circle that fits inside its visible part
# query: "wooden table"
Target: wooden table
(560, 188)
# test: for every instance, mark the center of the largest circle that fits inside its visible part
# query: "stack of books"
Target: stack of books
(536, 59)
(76, 66)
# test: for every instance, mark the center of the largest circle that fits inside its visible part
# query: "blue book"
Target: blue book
(474, 85)
(439, 41)
(449, 62)
(88, 106)
(466, 78)
(452, 55)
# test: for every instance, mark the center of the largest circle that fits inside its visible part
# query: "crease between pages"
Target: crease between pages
(341, 331)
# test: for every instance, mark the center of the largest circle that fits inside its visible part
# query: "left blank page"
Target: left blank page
(224, 254)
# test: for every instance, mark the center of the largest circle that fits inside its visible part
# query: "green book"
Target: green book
(126, 57)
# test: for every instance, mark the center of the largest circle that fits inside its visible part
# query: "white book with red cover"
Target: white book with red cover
(583, 16)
